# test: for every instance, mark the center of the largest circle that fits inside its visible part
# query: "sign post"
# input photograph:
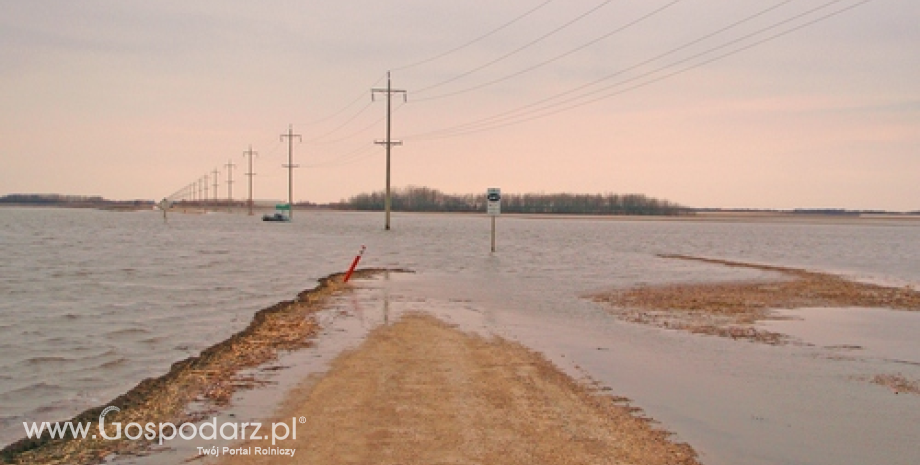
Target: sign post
(164, 205)
(493, 208)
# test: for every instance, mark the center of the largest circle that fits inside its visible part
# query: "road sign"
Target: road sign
(165, 205)
(494, 204)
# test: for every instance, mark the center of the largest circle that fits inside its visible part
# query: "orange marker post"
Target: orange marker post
(354, 264)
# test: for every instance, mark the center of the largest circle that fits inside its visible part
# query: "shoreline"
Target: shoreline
(209, 378)
(701, 216)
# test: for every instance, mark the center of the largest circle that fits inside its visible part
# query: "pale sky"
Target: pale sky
(136, 99)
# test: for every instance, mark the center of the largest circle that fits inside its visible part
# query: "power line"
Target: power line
(557, 57)
(478, 39)
(275, 149)
(523, 109)
(339, 127)
(519, 49)
(579, 96)
(349, 157)
(352, 135)
(523, 114)
(346, 107)
(359, 153)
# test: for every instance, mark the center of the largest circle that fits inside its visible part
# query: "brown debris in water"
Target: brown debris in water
(731, 309)
(897, 383)
(211, 377)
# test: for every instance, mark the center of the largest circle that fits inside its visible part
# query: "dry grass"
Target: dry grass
(731, 309)
(211, 377)
(897, 383)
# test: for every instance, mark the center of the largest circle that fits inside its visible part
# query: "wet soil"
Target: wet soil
(732, 309)
(421, 392)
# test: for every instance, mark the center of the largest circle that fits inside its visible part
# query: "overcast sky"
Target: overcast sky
(724, 103)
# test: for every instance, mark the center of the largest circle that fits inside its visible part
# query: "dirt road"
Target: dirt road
(421, 392)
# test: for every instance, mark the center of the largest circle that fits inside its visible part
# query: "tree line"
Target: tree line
(424, 199)
(86, 201)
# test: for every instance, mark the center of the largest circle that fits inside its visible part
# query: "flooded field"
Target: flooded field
(91, 300)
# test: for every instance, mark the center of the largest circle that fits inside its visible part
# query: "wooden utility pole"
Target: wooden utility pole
(229, 166)
(215, 172)
(205, 181)
(250, 153)
(388, 142)
(290, 166)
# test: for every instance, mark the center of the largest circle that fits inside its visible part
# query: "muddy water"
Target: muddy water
(735, 402)
(91, 300)
(882, 334)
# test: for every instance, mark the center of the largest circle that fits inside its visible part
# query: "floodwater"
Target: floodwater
(93, 302)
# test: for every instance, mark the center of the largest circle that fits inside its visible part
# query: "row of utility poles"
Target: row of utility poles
(198, 191)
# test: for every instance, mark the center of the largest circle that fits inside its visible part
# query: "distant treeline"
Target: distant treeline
(806, 211)
(424, 199)
(70, 201)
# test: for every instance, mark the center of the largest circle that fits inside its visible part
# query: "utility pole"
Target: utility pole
(229, 166)
(250, 153)
(388, 142)
(206, 193)
(215, 172)
(290, 166)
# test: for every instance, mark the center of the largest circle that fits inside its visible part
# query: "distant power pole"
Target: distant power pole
(290, 166)
(229, 166)
(206, 192)
(215, 172)
(250, 153)
(388, 142)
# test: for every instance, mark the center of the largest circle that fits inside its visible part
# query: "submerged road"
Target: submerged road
(420, 391)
